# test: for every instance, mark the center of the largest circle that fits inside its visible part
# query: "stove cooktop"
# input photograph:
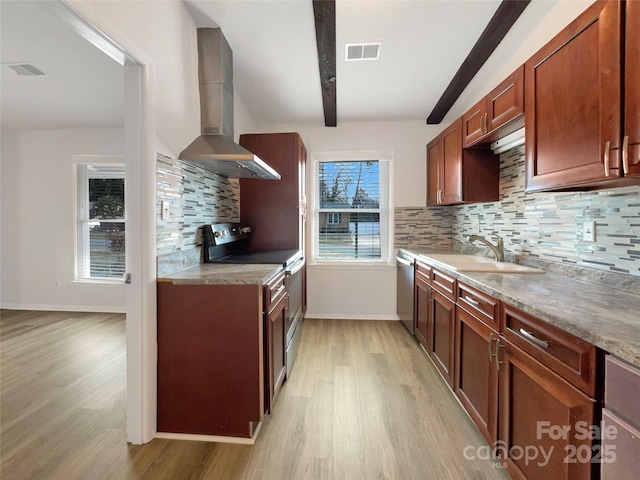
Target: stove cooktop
(280, 257)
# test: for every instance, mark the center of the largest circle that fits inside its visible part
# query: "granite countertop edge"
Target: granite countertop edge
(223, 274)
(603, 316)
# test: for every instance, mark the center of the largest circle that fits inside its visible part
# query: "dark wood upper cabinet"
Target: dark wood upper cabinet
(275, 209)
(573, 104)
(631, 154)
(456, 175)
(497, 114)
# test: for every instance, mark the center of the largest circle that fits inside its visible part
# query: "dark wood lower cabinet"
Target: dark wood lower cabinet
(544, 421)
(421, 311)
(476, 381)
(210, 364)
(441, 347)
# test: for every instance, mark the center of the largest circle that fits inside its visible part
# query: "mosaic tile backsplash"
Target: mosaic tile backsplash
(194, 197)
(545, 226)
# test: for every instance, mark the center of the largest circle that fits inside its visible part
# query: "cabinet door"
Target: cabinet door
(476, 375)
(572, 103)
(474, 123)
(632, 92)
(505, 102)
(502, 105)
(272, 208)
(275, 351)
(451, 172)
(434, 165)
(422, 309)
(540, 413)
(442, 332)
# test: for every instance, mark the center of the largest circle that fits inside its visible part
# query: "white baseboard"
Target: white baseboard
(349, 316)
(210, 438)
(63, 308)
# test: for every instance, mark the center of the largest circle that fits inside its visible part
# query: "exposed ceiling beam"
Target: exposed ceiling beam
(501, 22)
(324, 13)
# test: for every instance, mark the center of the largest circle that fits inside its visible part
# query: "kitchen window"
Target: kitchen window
(351, 208)
(101, 221)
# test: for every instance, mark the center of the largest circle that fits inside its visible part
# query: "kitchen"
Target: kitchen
(378, 298)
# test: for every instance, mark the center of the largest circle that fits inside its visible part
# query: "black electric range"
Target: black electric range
(229, 243)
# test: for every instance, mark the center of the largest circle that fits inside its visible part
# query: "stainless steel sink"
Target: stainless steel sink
(473, 263)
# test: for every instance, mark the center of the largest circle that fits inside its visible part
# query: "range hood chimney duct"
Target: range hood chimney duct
(214, 149)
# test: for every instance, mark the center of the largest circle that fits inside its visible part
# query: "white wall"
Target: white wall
(165, 32)
(38, 220)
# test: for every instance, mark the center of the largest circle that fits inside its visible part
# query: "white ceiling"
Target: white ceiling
(82, 87)
(275, 60)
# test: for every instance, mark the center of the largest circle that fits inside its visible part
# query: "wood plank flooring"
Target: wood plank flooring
(362, 402)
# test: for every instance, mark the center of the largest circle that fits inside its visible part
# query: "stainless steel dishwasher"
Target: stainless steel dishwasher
(404, 300)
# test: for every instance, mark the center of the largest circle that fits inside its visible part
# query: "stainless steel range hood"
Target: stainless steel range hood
(215, 149)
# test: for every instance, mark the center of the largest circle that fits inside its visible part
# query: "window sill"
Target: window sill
(98, 283)
(350, 265)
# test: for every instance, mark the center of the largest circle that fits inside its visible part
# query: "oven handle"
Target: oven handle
(295, 268)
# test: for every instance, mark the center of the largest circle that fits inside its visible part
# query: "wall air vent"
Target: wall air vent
(24, 69)
(362, 51)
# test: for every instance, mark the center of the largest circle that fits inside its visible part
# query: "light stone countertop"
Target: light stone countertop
(604, 316)
(223, 274)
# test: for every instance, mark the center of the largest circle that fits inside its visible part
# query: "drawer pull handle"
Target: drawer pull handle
(277, 292)
(531, 338)
(475, 303)
(625, 154)
(606, 158)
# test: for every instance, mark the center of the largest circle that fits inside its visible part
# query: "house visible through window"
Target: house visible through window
(352, 210)
(101, 221)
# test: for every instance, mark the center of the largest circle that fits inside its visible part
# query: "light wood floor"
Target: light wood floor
(363, 402)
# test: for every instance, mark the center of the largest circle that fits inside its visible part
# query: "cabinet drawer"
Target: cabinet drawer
(445, 284)
(274, 291)
(570, 357)
(424, 272)
(622, 388)
(480, 305)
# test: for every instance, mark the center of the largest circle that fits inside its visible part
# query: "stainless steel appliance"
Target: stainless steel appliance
(215, 149)
(294, 284)
(229, 243)
(404, 300)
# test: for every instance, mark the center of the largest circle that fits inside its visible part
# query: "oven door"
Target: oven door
(294, 285)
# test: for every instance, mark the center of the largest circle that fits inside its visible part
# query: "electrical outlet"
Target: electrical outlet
(589, 231)
(164, 210)
(475, 225)
(56, 282)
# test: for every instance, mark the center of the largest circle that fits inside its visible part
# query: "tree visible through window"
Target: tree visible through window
(349, 207)
(101, 221)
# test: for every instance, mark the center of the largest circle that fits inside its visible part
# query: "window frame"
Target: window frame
(386, 206)
(81, 212)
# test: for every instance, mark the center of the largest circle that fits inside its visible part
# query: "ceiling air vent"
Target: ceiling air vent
(362, 51)
(25, 69)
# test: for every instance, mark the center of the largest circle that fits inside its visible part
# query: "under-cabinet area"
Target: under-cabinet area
(527, 363)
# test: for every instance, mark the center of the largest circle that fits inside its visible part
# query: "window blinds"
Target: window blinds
(101, 221)
(352, 212)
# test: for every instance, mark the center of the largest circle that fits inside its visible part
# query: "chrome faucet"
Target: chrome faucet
(497, 249)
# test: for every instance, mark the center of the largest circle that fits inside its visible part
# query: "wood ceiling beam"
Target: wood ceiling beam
(503, 19)
(324, 13)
